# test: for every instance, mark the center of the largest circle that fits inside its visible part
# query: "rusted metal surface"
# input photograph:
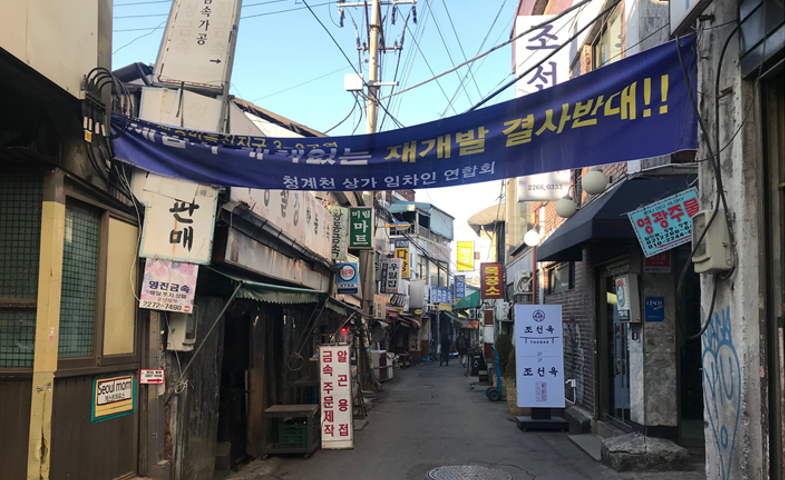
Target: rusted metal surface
(15, 398)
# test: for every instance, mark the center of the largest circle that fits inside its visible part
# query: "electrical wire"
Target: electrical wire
(300, 84)
(160, 25)
(449, 56)
(460, 45)
(139, 3)
(354, 107)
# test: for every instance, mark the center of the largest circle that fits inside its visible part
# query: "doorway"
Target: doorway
(614, 336)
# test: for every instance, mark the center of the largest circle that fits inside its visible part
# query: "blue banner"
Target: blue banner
(636, 108)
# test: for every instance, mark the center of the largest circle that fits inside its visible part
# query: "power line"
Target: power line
(460, 45)
(300, 84)
(160, 25)
(140, 3)
(449, 56)
(143, 16)
(285, 11)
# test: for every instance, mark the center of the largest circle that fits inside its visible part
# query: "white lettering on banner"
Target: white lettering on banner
(335, 385)
(539, 357)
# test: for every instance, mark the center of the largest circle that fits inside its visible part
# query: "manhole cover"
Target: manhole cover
(468, 472)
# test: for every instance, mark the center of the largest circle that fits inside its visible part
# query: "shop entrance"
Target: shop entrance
(614, 336)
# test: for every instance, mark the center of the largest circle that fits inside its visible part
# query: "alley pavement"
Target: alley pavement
(430, 416)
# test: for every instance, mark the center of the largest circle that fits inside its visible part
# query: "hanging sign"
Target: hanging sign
(441, 295)
(391, 276)
(168, 285)
(402, 252)
(465, 255)
(335, 385)
(113, 396)
(460, 286)
(535, 45)
(630, 109)
(545, 186)
(665, 224)
(340, 232)
(361, 227)
(491, 280)
(152, 376)
(348, 279)
(539, 356)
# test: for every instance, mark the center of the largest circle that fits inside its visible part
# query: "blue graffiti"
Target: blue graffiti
(722, 387)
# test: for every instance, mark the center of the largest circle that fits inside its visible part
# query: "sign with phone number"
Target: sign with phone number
(168, 285)
(546, 186)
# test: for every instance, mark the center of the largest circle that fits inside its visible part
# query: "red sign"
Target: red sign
(492, 280)
(660, 263)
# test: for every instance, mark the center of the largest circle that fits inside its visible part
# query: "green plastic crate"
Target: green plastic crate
(292, 436)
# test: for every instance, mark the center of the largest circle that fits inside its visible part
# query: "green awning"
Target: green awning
(472, 301)
(265, 292)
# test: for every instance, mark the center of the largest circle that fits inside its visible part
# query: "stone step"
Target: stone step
(589, 443)
(608, 430)
(634, 452)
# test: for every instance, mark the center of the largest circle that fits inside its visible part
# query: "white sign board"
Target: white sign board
(539, 356)
(168, 285)
(545, 186)
(533, 47)
(198, 44)
(179, 228)
(680, 11)
(391, 276)
(335, 387)
(181, 109)
(152, 377)
(340, 234)
(299, 214)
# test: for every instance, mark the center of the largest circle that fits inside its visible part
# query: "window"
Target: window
(422, 264)
(561, 278)
(608, 46)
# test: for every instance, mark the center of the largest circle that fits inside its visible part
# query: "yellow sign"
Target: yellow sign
(445, 307)
(466, 255)
(402, 252)
(113, 396)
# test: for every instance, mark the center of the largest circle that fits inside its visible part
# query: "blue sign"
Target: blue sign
(655, 309)
(665, 224)
(441, 295)
(638, 107)
(460, 286)
(348, 278)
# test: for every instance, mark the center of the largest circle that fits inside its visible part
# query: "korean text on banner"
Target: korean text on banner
(348, 278)
(402, 252)
(335, 386)
(491, 280)
(361, 227)
(168, 285)
(642, 99)
(340, 232)
(539, 356)
(465, 251)
(665, 224)
(460, 286)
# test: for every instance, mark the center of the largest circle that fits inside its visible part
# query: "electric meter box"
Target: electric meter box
(181, 334)
(714, 254)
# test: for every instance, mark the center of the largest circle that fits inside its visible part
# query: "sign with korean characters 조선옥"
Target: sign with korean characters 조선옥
(465, 251)
(665, 224)
(361, 227)
(113, 396)
(402, 252)
(340, 232)
(535, 45)
(491, 280)
(539, 356)
(348, 278)
(391, 276)
(335, 385)
(168, 285)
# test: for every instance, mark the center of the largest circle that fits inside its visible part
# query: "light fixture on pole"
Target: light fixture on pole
(565, 208)
(532, 238)
(594, 182)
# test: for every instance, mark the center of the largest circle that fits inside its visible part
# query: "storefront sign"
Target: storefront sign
(539, 356)
(465, 256)
(335, 385)
(361, 227)
(491, 280)
(113, 397)
(152, 377)
(460, 286)
(655, 309)
(340, 232)
(441, 295)
(168, 285)
(348, 278)
(400, 302)
(545, 186)
(391, 276)
(380, 305)
(535, 45)
(180, 229)
(660, 263)
(402, 252)
(665, 224)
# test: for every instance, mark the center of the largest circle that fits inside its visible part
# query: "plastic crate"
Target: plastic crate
(292, 436)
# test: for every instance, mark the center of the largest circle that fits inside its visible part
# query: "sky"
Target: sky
(285, 62)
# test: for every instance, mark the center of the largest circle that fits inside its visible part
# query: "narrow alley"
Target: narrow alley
(429, 417)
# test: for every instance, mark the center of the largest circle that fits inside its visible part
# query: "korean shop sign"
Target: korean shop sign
(180, 229)
(460, 286)
(113, 396)
(335, 385)
(537, 44)
(491, 280)
(665, 224)
(340, 232)
(391, 276)
(402, 252)
(168, 285)
(571, 124)
(441, 295)
(539, 356)
(361, 227)
(466, 255)
(348, 278)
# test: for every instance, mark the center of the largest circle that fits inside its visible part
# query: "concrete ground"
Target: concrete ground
(430, 416)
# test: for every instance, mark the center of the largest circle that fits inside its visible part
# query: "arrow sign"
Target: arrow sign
(217, 60)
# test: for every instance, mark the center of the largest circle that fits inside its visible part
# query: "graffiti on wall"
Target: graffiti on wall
(722, 387)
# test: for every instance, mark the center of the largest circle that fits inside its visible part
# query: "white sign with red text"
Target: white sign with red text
(335, 388)
(152, 377)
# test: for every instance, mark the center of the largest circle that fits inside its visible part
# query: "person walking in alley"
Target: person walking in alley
(463, 346)
(445, 344)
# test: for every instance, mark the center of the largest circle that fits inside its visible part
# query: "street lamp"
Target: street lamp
(594, 182)
(532, 238)
(565, 208)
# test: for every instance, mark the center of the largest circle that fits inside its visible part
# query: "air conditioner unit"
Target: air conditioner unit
(523, 282)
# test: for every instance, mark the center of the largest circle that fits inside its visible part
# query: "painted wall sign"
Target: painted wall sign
(340, 232)
(491, 280)
(152, 377)
(402, 252)
(539, 356)
(665, 224)
(168, 285)
(655, 309)
(574, 124)
(335, 385)
(660, 263)
(113, 396)
(465, 251)
(348, 278)
(361, 227)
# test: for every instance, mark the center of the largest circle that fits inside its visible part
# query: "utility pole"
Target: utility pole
(372, 103)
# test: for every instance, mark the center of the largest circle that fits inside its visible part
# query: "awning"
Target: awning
(458, 321)
(472, 301)
(265, 292)
(605, 219)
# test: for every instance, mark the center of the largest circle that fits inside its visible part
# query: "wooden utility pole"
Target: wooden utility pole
(372, 103)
